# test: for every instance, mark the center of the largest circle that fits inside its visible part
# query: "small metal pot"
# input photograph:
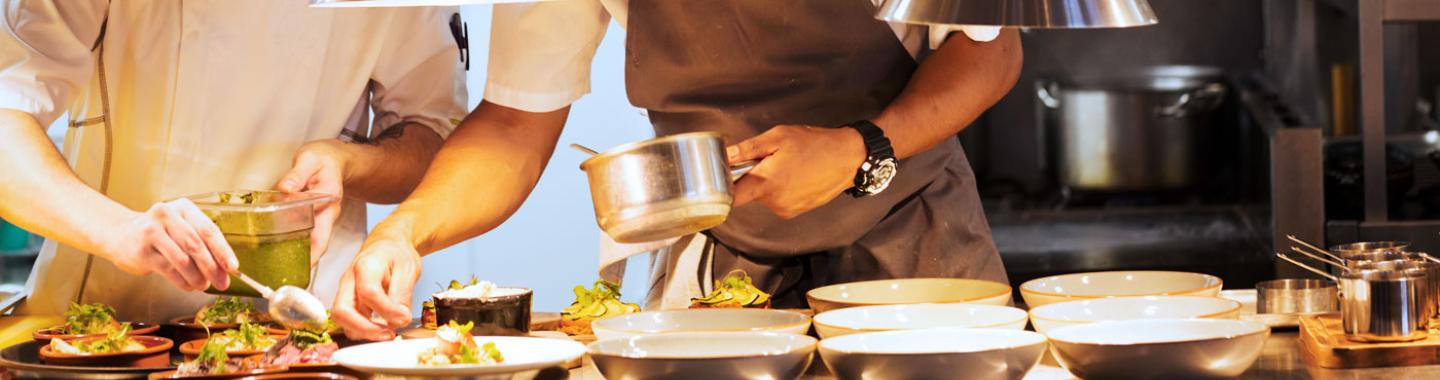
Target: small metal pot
(662, 188)
(1379, 305)
(1296, 296)
(1364, 247)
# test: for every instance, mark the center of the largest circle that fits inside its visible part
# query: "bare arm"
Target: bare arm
(803, 167)
(950, 90)
(41, 194)
(481, 175)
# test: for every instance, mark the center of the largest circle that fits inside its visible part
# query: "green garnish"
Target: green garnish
(487, 354)
(248, 336)
(735, 288)
(226, 310)
(213, 355)
(93, 318)
(456, 284)
(602, 300)
(115, 341)
(303, 338)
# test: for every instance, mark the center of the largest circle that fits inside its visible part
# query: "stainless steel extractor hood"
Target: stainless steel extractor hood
(1021, 13)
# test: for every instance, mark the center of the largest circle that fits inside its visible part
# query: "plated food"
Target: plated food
(702, 320)
(116, 349)
(723, 355)
(908, 291)
(1159, 348)
(918, 354)
(865, 319)
(491, 309)
(213, 359)
(455, 345)
(734, 291)
(600, 301)
(90, 320)
(227, 311)
(245, 340)
(1060, 314)
(399, 358)
(304, 347)
(1068, 287)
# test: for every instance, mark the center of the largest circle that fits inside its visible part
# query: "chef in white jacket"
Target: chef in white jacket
(172, 98)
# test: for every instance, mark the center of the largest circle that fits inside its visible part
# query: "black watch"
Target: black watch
(880, 165)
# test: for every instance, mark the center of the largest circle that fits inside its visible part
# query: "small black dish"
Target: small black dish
(502, 315)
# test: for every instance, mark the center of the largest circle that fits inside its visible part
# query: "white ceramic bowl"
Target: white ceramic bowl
(946, 352)
(726, 355)
(862, 319)
(1159, 348)
(1066, 287)
(908, 291)
(1061, 314)
(701, 320)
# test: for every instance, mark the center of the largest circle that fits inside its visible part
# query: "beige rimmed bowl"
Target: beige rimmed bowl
(1068, 287)
(908, 291)
(1159, 348)
(701, 320)
(934, 353)
(1061, 314)
(864, 319)
(724, 355)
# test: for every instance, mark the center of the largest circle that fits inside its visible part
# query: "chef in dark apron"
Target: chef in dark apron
(772, 77)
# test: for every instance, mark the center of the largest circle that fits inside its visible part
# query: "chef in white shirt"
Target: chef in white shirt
(825, 96)
(171, 98)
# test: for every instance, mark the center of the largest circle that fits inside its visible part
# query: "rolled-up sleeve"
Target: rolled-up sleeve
(540, 53)
(419, 77)
(45, 53)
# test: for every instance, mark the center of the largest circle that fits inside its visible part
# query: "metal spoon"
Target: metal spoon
(583, 148)
(293, 307)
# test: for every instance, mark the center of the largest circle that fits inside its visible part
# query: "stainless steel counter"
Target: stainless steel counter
(1280, 361)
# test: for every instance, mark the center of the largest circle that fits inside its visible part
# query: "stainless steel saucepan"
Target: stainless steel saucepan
(1380, 305)
(662, 188)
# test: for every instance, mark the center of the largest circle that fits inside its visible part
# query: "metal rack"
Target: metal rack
(1372, 15)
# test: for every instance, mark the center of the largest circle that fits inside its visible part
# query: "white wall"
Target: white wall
(550, 244)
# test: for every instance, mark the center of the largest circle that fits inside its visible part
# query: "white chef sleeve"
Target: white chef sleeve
(45, 53)
(540, 53)
(977, 33)
(419, 77)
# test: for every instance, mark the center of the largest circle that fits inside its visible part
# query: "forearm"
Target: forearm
(481, 175)
(387, 168)
(951, 88)
(41, 194)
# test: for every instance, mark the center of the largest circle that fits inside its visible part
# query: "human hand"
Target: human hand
(801, 167)
(176, 240)
(319, 167)
(374, 295)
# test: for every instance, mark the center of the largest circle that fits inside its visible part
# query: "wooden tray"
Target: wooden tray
(1323, 344)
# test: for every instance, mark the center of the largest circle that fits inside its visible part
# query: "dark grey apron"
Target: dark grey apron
(740, 67)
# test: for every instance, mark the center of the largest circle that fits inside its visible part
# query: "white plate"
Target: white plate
(398, 357)
(1247, 298)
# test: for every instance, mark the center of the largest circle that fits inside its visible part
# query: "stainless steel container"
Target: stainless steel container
(1134, 132)
(1383, 305)
(1379, 305)
(1364, 247)
(661, 188)
(1430, 308)
(1296, 296)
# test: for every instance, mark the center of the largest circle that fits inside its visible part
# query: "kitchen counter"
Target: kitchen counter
(1279, 361)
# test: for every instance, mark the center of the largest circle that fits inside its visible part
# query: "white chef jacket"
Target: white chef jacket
(540, 57)
(213, 95)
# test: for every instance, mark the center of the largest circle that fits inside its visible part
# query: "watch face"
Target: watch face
(880, 176)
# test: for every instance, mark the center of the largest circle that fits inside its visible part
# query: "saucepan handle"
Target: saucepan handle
(741, 169)
(1322, 273)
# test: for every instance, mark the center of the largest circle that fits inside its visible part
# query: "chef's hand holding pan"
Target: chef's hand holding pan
(801, 167)
(319, 167)
(176, 240)
(374, 295)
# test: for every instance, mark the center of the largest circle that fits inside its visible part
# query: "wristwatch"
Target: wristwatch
(880, 165)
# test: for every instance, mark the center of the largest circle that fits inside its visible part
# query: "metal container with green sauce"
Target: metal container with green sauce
(269, 231)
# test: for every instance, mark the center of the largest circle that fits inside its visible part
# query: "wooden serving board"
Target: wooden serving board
(1323, 344)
